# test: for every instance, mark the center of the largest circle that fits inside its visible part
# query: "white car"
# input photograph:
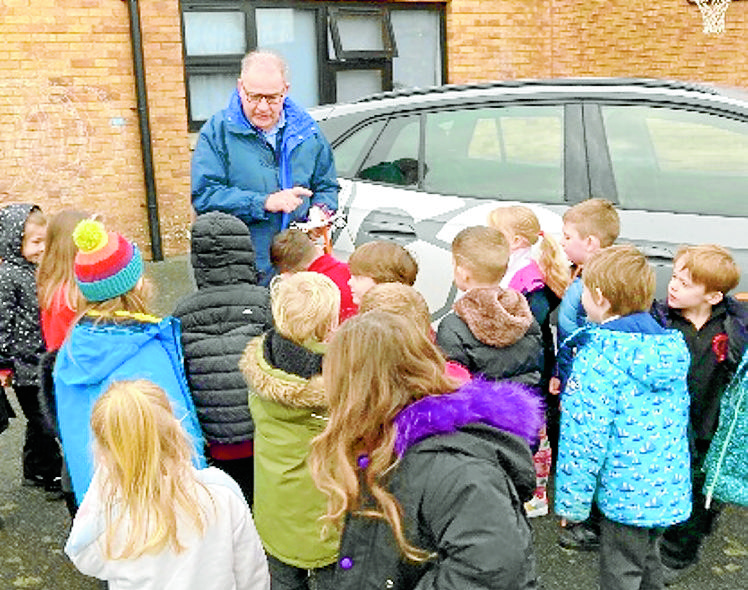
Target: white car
(417, 166)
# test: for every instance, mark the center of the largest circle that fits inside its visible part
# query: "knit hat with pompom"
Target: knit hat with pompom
(106, 265)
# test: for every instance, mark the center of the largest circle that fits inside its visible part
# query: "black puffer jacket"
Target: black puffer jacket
(218, 321)
(21, 342)
(462, 488)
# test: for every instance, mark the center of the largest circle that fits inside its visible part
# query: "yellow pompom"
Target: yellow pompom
(89, 235)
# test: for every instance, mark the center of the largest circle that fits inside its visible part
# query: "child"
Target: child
(407, 302)
(726, 462)
(715, 328)
(588, 226)
(22, 229)
(624, 421)
(218, 321)
(288, 406)
(293, 251)
(542, 282)
(150, 519)
(427, 480)
(59, 300)
(491, 331)
(114, 339)
(58, 293)
(377, 262)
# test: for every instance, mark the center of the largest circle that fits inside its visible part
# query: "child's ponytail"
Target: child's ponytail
(554, 265)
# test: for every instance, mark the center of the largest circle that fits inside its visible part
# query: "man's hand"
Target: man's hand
(554, 386)
(286, 200)
(6, 377)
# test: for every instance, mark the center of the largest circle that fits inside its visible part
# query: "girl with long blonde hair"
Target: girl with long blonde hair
(543, 282)
(426, 478)
(59, 296)
(150, 518)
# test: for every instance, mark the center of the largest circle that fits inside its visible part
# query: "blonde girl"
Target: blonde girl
(416, 470)
(543, 283)
(150, 519)
(522, 230)
(59, 296)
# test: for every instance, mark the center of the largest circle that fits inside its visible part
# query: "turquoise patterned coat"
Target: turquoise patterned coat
(726, 464)
(624, 425)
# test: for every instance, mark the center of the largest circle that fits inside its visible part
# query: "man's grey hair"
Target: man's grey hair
(265, 56)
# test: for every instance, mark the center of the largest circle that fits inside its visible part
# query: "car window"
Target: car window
(667, 159)
(502, 152)
(394, 157)
(349, 153)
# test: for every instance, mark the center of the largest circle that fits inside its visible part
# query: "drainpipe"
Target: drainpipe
(136, 41)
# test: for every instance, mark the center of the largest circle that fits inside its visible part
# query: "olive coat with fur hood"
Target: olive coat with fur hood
(493, 333)
(289, 409)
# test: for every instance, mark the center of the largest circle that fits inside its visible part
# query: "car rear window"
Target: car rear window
(668, 159)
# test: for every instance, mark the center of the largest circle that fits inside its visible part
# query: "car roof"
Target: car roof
(669, 91)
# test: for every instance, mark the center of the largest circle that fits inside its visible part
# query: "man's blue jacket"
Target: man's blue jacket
(234, 169)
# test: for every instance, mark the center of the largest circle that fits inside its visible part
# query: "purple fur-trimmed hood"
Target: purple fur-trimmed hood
(511, 407)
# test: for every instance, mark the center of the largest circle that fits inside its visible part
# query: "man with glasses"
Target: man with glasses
(263, 158)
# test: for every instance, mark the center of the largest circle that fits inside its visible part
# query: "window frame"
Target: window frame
(327, 68)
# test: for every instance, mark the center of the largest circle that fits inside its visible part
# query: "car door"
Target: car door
(679, 175)
(418, 178)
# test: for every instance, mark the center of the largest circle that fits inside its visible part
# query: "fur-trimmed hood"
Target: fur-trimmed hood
(506, 405)
(497, 317)
(274, 384)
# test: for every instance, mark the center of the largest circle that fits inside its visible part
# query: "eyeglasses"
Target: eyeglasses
(253, 98)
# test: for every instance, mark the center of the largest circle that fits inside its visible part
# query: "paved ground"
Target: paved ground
(35, 529)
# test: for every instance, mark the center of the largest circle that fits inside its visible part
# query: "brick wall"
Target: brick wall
(68, 111)
(69, 115)
(547, 38)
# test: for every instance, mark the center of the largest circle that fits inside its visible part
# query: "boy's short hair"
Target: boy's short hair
(595, 217)
(710, 265)
(483, 251)
(623, 276)
(384, 262)
(400, 299)
(306, 306)
(291, 251)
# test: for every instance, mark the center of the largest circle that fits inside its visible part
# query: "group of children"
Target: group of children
(373, 450)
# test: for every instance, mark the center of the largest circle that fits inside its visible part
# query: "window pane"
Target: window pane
(214, 33)
(394, 158)
(499, 153)
(292, 33)
(418, 63)
(349, 153)
(676, 160)
(360, 32)
(353, 84)
(209, 93)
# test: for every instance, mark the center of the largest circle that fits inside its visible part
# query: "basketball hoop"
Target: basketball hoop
(713, 14)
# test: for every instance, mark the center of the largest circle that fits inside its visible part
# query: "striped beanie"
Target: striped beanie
(106, 265)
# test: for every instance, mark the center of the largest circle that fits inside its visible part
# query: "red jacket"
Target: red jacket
(339, 273)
